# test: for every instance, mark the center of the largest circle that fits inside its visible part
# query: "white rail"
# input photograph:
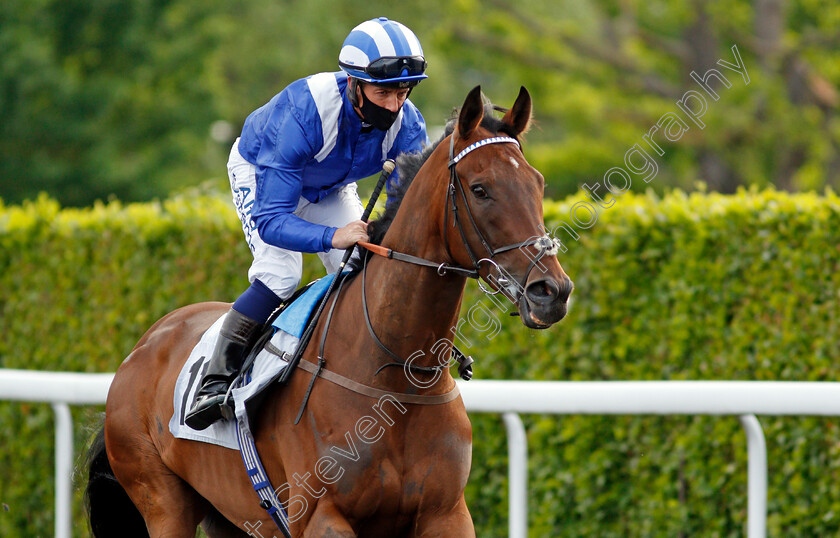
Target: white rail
(743, 399)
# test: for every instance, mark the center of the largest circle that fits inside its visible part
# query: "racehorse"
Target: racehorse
(474, 209)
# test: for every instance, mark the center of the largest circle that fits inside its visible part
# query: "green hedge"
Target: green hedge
(684, 287)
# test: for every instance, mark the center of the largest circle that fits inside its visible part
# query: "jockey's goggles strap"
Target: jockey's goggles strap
(392, 66)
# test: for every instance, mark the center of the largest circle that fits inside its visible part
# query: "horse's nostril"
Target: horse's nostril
(542, 291)
(548, 291)
(568, 286)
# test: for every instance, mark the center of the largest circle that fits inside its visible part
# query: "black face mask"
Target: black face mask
(379, 117)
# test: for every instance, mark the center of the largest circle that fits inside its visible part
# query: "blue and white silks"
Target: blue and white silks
(308, 141)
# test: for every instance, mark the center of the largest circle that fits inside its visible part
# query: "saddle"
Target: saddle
(269, 329)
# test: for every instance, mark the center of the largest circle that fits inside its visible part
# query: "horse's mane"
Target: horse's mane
(409, 165)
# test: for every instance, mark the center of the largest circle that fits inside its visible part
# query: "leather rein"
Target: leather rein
(545, 246)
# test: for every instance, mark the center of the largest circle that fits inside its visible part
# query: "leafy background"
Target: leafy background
(134, 98)
(700, 286)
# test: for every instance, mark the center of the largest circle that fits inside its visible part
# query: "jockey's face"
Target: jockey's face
(388, 98)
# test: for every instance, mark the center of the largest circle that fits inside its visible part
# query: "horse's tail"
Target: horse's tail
(110, 510)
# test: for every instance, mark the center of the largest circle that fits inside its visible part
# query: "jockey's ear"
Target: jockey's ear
(471, 113)
(519, 117)
(353, 89)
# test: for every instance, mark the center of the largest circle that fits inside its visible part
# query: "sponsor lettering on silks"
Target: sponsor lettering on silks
(244, 201)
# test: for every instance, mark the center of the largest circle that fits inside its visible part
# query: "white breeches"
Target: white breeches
(278, 268)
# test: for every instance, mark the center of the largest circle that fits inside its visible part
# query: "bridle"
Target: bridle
(544, 244)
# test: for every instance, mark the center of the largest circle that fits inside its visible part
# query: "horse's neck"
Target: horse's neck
(411, 306)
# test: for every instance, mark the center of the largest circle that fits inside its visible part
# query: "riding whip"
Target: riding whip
(387, 168)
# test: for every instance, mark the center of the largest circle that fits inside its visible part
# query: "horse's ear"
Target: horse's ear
(519, 116)
(471, 113)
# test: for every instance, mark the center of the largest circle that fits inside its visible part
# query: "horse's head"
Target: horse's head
(493, 219)
(473, 200)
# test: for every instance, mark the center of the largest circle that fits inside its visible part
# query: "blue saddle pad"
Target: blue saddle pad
(293, 319)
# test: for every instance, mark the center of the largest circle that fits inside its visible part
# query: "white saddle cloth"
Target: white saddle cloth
(267, 368)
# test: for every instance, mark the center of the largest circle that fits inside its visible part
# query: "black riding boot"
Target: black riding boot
(235, 338)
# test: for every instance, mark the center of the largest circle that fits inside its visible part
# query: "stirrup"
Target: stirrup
(201, 417)
(204, 413)
(226, 407)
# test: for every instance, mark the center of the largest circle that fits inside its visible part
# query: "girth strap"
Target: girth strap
(402, 397)
(258, 477)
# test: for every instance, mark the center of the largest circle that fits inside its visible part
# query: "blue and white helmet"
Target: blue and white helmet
(380, 51)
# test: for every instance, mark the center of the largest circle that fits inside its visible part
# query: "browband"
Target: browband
(476, 145)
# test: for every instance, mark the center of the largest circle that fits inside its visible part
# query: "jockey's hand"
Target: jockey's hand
(349, 235)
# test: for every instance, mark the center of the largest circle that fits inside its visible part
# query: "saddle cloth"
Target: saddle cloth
(266, 369)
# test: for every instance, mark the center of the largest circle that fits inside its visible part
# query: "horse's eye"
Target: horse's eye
(479, 191)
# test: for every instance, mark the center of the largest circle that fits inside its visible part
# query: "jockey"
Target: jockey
(293, 172)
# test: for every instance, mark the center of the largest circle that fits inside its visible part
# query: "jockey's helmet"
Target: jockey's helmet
(383, 52)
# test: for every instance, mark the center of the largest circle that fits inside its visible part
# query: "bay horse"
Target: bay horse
(403, 472)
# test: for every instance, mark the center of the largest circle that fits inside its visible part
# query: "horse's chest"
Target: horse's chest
(400, 470)
(437, 469)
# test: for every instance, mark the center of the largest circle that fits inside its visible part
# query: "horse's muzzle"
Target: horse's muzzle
(544, 302)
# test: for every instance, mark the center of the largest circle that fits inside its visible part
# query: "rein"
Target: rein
(442, 268)
(544, 244)
(397, 359)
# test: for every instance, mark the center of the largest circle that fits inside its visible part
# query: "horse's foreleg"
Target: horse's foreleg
(455, 523)
(327, 521)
